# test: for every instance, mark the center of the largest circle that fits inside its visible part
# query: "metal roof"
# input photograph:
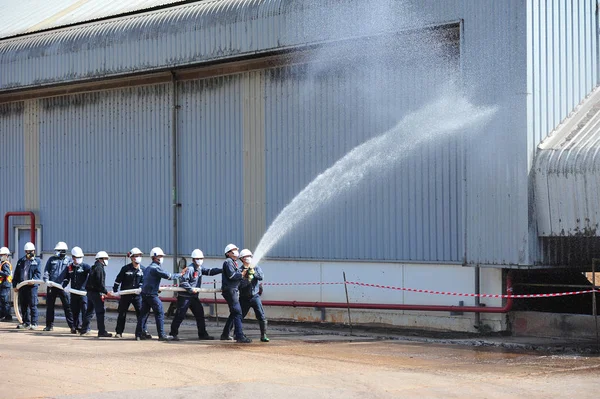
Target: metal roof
(567, 174)
(22, 17)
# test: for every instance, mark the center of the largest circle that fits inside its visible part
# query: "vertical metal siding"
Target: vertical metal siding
(105, 169)
(562, 39)
(11, 162)
(210, 127)
(313, 119)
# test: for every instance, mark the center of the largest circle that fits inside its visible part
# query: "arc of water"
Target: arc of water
(447, 115)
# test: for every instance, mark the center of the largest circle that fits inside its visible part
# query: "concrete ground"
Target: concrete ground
(300, 362)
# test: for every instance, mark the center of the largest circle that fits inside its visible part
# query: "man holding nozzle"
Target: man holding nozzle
(249, 292)
(191, 277)
(77, 274)
(130, 277)
(56, 271)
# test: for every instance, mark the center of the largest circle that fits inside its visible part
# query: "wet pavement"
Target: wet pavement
(301, 361)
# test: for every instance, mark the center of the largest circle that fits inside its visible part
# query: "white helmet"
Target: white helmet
(29, 247)
(197, 254)
(4, 251)
(135, 251)
(229, 248)
(61, 246)
(102, 255)
(78, 253)
(245, 252)
(156, 251)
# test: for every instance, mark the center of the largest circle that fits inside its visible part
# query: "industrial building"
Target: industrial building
(192, 124)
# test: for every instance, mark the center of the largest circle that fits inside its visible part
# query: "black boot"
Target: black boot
(263, 331)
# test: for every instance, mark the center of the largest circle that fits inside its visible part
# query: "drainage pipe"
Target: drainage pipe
(7, 215)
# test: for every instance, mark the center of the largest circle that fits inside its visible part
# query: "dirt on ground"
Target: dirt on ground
(299, 362)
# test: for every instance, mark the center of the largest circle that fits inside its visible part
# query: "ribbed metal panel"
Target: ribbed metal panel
(210, 164)
(567, 175)
(11, 162)
(412, 212)
(177, 36)
(563, 62)
(105, 169)
(30, 16)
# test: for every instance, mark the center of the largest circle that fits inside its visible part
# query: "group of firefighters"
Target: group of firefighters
(135, 285)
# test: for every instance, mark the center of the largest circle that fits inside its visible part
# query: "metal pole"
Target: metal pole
(347, 302)
(594, 310)
(174, 167)
(216, 311)
(477, 299)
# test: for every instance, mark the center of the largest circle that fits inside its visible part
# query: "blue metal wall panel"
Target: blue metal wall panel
(210, 164)
(105, 169)
(12, 167)
(412, 212)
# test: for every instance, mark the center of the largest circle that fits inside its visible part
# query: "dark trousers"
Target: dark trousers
(151, 302)
(235, 314)
(124, 303)
(256, 304)
(183, 303)
(4, 302)
(79, 307)
(28, 302)
(251, 303)
(95, 303)
(51, 295)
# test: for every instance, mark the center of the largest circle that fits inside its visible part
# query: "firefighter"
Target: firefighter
(5, 284)
(130, 277)
(232, 276)
(77, 274)
(150, 300)
(249, 292)
(96, 293)
(56, 271)
(28, 268)
(191, 277)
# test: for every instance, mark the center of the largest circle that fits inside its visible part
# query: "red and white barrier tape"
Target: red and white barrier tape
(423, 291)
(554, 294)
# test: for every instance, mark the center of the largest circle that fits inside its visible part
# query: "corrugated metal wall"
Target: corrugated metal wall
(413, 212)
(562, 62)
(105, 169)
(11, 164)
(210, 164)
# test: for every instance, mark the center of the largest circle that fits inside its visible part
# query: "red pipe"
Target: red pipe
(7, 215)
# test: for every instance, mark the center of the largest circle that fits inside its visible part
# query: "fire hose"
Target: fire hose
(137, 291)
(30, 282)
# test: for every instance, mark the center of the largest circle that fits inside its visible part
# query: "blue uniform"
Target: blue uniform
(250, 299)
(150, 300)
(78, 275)
(129, 278)
(232, 277)
(56, 271)
(191, 277)
(95, 288)
(5, 284)
(28, 295)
